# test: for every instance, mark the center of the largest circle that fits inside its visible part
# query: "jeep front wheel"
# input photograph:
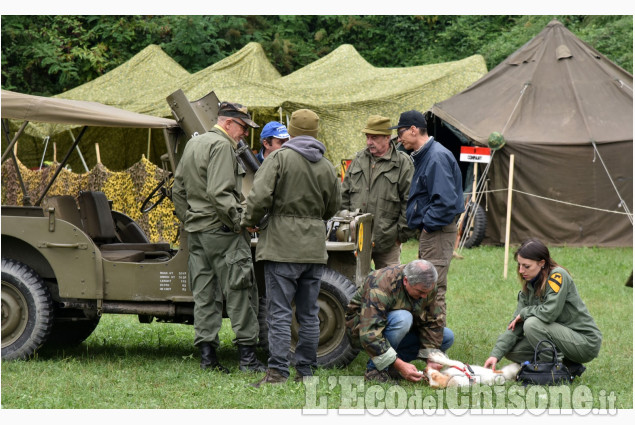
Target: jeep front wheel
(334, 347)
(27, 311)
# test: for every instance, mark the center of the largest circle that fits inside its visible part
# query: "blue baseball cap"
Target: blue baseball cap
(274, 129)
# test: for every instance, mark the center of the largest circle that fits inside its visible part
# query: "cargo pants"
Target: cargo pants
(569, 344)
(437, 247)
(220, 266)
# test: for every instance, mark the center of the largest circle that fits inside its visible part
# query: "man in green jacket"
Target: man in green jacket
(378, 182)
(299, 189)
(207, 196)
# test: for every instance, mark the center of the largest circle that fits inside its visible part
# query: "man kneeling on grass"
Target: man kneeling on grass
(392, 316)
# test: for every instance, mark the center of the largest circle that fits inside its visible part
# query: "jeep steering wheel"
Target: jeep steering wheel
(157, 195)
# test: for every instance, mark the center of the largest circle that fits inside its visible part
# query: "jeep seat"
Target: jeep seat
(65, 209)
(99, 224)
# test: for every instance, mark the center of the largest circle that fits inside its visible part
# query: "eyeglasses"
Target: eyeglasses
(401, 131)
(243, 126)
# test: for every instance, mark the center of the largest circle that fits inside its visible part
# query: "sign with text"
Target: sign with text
(475, 154)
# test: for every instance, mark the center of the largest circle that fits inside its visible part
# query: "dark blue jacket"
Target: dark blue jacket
(436, 190)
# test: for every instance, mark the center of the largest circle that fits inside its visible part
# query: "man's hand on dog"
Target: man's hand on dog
(408, 371)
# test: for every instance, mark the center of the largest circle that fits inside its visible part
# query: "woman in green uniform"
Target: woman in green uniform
(549, 307)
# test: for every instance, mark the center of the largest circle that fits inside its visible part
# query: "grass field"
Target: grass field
(128, 365)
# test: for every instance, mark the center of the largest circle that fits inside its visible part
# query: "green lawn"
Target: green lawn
(125, 364)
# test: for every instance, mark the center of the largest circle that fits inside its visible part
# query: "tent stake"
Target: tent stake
(509, 212)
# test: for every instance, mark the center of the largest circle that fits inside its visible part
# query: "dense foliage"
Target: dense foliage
(50, 54)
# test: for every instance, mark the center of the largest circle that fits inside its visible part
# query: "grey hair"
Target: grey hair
(421, 273)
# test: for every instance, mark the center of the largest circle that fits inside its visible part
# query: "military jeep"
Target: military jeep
(67, 260)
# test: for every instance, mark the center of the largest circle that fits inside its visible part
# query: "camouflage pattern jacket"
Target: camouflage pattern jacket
(367, 314)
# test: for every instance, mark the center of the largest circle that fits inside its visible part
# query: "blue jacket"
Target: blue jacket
(436, 190)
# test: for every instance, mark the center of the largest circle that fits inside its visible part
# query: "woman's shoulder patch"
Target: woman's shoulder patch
(555, 281)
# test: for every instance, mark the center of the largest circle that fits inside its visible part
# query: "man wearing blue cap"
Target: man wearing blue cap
(272, 137)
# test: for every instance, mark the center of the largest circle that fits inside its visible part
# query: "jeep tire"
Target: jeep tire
(27, 311)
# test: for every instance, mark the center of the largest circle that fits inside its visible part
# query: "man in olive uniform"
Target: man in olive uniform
(299, 189)
(377, 182)
(207, 198)
(393, 317)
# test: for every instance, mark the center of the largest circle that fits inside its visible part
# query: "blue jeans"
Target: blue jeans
(288, 282)
(405, 340)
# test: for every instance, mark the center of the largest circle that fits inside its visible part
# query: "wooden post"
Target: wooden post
(149, 143)
(509, 212)
(97, 152)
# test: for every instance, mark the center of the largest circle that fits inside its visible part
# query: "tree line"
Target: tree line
(46, 55)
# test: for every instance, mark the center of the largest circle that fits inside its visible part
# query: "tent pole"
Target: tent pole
(149, 140)
(81, 157)
(509, 212)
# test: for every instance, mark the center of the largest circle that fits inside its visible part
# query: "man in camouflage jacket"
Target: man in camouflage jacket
(393, 317)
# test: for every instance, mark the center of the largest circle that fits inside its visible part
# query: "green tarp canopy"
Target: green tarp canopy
(131, 86)
(553, 100)
(342, 88)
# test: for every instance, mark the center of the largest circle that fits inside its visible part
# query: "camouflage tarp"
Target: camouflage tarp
(131, 86)
(342, 88)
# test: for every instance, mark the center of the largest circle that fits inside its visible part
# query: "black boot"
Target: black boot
(208, 358)
(248, 360)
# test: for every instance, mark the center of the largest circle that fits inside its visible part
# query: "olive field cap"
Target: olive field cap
(236, 110)
(410, 118)
(274, 129)
(377, 125)
(304, 122)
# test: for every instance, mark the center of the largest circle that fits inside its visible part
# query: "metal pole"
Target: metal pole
(62, 164)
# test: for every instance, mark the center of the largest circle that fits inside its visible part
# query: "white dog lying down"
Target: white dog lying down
(457, 374)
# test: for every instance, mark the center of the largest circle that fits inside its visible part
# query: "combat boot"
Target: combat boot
(378, 376)
(271, 377)
(248, 360)
(209, 359)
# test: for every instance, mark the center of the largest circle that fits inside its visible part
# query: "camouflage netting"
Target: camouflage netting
(127, 189)
(342, 88)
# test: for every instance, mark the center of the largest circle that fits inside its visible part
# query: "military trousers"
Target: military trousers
(221, 268)
(287, 283)
(437, 247)
(387, 258)
(570, 344)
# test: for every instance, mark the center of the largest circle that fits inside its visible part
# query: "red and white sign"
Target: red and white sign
(475, 154)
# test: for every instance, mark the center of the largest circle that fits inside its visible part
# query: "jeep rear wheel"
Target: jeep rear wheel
(334, 347)
(27, 311)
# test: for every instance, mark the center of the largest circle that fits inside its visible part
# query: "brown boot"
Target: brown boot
(271, 377)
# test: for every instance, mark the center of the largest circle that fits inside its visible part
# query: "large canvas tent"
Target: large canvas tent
(566, 113)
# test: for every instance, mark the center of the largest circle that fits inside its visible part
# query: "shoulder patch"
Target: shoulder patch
(555, 282)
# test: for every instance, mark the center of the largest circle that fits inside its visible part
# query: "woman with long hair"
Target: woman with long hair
(549, 307)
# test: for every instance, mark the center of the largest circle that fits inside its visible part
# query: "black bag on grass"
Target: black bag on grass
(539, 373)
